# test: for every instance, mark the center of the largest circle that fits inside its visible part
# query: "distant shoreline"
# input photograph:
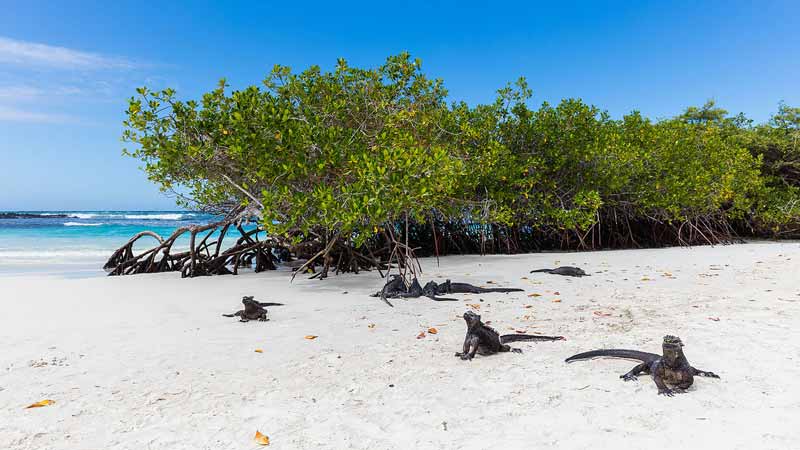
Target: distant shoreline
(63, 241)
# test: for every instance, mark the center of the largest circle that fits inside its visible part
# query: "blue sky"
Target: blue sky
(67, 70)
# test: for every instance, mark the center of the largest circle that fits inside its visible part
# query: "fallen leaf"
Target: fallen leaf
(40, 404)
(261, 439)
(474, 305)
(490, 282)
(715, 319)
(258, 350)
(558, 300)
(667, 274)
(372, 325)
(534, 295)
(556, 293)
(421, 335)
(310, 337)
(432, 330)
(645, 279)
(524, 278)
(601, 314)
(528, 306)
(520, 331)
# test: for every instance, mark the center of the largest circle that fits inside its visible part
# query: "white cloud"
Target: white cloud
(19, 92)
(8, 114)
(27, 54)
(24, 92)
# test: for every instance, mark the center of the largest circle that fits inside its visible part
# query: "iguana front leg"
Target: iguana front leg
(662, 387)
(464, 348)
(633, 374)
(470, 348)
(703, 373)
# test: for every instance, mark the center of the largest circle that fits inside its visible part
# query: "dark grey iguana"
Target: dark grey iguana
(253, 310)
(448, 287)
(564, 270)
(484, 340)
(671, 368)
(395, 287)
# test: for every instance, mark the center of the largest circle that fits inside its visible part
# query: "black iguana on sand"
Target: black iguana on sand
(671, 368)
(253, 310)
(484, 340)
(564, 270)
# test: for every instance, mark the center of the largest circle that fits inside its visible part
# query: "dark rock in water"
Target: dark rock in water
(20, 215)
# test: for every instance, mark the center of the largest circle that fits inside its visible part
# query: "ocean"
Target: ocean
(78, 243)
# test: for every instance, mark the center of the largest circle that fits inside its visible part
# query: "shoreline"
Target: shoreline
(147, 361)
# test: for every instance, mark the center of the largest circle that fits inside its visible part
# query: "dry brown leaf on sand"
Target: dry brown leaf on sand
(372, 325)
(40, 404)
(534, 295)
(715, 319)
(258, 350)
(556, 293)
(261, 439)
(601, 314)
(432, 330)
(421, 335)
(528, 306)
(558, 300)
(474, 305)
(310, 337)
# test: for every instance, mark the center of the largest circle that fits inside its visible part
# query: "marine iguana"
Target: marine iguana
(484, 340)
(671, 368)
(396, 288)
(448, 287)
(564, 270)
(253, 310)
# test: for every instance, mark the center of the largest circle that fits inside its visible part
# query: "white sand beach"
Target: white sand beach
(147, 362)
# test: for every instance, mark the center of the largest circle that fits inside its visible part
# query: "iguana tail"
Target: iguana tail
(614, 353)
(541, 270)
(528, 337)
(503, 290)
(229, 315)
(271, 304)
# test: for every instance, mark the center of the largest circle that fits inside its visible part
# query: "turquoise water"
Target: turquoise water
(79, 242)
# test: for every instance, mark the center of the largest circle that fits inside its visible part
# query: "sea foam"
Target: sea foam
(80, 224)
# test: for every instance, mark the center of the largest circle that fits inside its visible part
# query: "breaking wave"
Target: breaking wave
(80, 224)
(112, 216)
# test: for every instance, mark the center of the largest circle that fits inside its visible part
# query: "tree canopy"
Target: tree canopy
(355, 153)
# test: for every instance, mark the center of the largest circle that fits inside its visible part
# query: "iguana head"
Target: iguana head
(471, 318)
(247, 299)
(672, 349)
